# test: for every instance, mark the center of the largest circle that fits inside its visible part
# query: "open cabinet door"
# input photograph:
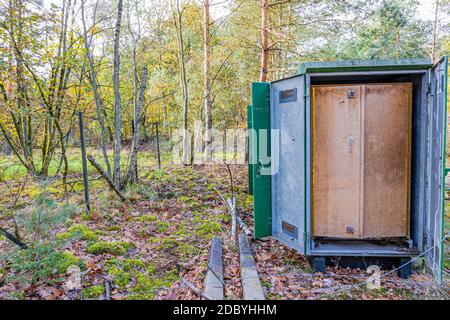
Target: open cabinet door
(437, 121)
(260, 159)
(287, 117)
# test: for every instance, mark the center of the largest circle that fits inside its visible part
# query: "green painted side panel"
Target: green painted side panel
(250, 150)
(262, 204)
(364, 65)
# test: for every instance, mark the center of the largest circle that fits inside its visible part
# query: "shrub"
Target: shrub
(44, 257)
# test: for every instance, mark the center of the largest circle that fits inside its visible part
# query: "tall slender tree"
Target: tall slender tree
(207, 77)
(117, 103)
(95, 87)
(264, 40)
(184, 86)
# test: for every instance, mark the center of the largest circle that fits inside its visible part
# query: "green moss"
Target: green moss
(113, 228)
(208, 228)
(130, 264)
(181, 230)
(208, 197)
(93, 292)
(78, 231)
(121, 278)
(147, 286)
(188, 250)
(167, 243)
(162, 226)
(147, 218)
(115, 248)
(446, 264)
(151, 269)
(123, 271)
(141, 190)
(405, 293)
(85, 217)
(16, 295)
(67, 259)
(141, 296)
(274, 296)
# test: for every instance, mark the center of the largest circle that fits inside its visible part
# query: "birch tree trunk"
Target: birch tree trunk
(117, 106)
(264, 39)
(207, 80)
(131, 174)
(186, 145)
(94, 85)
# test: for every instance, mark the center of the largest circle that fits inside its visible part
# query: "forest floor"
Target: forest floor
(141, 248)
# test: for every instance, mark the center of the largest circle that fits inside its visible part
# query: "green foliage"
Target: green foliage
(44, 215)
(385, 29)
(44, 257)
(114, 248)
(40, 264)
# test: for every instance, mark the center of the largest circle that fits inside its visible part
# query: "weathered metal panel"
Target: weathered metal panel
(288, 156)
(363, 65)
(436, 167)
(261, 170)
